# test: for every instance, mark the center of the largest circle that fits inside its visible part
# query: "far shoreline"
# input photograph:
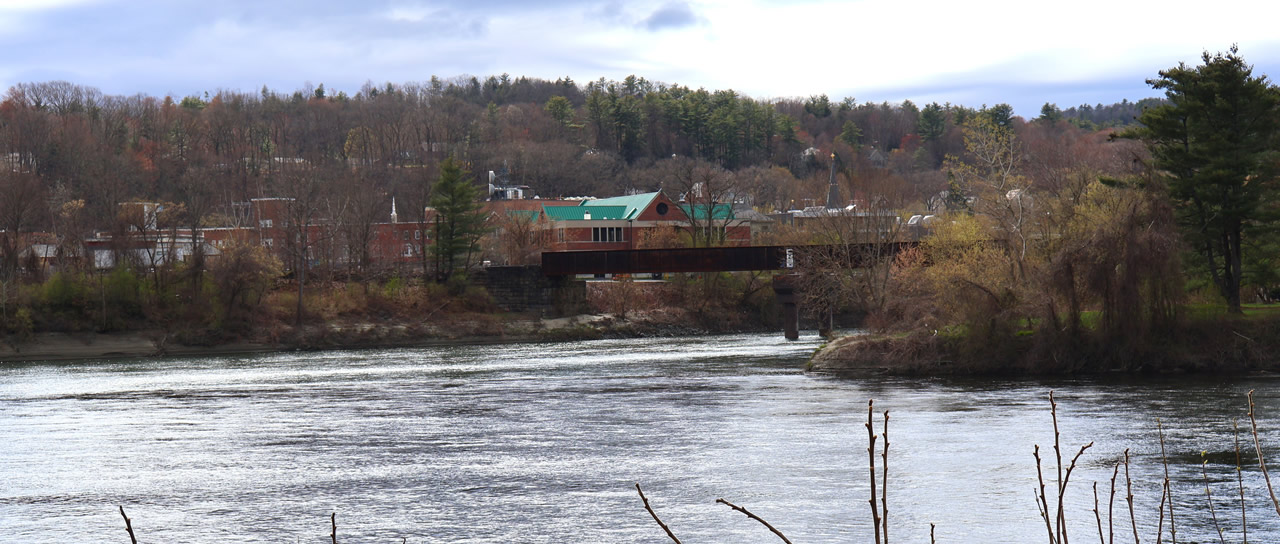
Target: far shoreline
(63, 347)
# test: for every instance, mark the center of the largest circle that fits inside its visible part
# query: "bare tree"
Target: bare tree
(992, 177)
(849, 266)
(20, 207)
(307, 190)
(195, 189)
(708, 192)
(360, 208)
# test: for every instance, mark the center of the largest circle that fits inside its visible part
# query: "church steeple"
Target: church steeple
(833, 190)
(394, 217)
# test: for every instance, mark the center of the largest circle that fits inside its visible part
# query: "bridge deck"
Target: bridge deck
(678, 260)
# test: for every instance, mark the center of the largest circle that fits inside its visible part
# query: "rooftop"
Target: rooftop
(579, 213)
(632, 204)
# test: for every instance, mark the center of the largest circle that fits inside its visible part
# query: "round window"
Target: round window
(662, 208)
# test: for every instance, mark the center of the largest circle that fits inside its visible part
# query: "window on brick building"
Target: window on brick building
(606, 234)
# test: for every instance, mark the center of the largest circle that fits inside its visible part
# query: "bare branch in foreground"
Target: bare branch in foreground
(128, 526)
(1062, 489)
(1253, 422)
(1244, 524)
(333, 521)
(1164, 496)
(1043, 503)
(655, 516)
(1111, 506)
(884, 479)
(1129, 497)
(871, 452)
(1173, 527)
(755, 517)
(1209, 499)
(1057, 452)
(1097, 514)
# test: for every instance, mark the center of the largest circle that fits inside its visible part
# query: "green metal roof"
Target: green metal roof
(578, 213)
(719, 211)
(633, 204)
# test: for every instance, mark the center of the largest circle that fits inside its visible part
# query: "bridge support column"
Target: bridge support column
(785, 291)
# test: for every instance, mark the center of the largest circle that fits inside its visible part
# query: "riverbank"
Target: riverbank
(1221, 344)
(461, 330)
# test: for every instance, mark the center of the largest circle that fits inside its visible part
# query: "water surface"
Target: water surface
(543, 443)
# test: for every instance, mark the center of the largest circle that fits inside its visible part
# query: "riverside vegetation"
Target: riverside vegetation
(1144, 272)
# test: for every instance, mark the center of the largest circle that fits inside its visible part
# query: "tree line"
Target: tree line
(64, 143)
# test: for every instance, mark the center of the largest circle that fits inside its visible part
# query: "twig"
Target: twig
(1129, 488)
(1057, 452)
(884, 480)
(1164, 495)
(871, 452)
(931, 539)
(755, 517)
(655, 515)
(333, 521)
(1253, 423)
(1043, 505)
(1209, 498)
(1244, 524)
(1063, 489)
(1173, 527)
(1097, 514)
(128, 526)
(1111, 506)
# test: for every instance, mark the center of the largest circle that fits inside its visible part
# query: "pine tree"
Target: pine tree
(459, 221)
(1215, 142)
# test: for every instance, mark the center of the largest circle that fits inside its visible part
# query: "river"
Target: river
(544, 443)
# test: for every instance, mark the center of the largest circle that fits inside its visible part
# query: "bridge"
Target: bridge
(561, 264)
(709, 259)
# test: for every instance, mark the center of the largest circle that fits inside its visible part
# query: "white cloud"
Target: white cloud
(984, 51)
(40, 5)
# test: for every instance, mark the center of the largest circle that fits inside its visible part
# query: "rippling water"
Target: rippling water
(543, 443)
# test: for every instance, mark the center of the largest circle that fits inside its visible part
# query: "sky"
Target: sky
(1025, 52)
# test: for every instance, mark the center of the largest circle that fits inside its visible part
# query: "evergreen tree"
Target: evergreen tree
(818, 105)
(560, 109)
(459, 222)
(1215, 140)
(1049, 113)
(851, 134)
(933, 123)
(1000, 114)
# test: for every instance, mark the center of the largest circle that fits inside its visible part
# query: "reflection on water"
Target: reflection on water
(543, 443)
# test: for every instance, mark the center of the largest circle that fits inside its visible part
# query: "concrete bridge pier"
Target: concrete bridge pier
(785, 291)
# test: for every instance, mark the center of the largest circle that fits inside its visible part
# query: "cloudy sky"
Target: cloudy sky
(1024, 52)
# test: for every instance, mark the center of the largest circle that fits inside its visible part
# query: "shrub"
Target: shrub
(65, 292)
